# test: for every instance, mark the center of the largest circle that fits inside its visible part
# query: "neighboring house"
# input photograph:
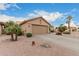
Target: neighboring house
(1, 27)
(72, 25)
(78, 28)
(35, 26)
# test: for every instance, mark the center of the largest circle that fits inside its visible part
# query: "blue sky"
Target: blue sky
(55, 13)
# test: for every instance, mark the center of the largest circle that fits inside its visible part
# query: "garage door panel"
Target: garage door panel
(39, 29)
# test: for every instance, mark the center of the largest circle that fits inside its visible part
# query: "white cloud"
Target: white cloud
(49, 16)
(5, 18)
(41, 12)
(5, 6)
(53, 16)
(32, 15)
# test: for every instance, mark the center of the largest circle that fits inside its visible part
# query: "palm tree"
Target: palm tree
(12, 29)
(69, 21)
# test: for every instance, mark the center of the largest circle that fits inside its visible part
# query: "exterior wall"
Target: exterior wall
(27, 27)
(38, 21)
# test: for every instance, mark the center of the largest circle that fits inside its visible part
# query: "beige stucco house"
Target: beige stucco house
(35, 26)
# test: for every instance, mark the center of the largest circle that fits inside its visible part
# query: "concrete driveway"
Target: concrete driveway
(67, 42)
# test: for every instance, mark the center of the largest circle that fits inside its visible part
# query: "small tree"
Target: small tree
(12, 29)
(62, 28)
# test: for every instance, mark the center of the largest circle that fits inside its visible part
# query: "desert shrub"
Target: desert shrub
(66, 32)
(51, 28)
(29, 34)
(62, 28)
(20, 33)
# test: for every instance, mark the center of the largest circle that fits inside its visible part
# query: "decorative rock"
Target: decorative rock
(45, 45)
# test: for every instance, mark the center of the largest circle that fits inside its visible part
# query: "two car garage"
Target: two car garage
(39, 29)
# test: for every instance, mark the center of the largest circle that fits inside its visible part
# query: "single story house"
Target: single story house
(35, 26)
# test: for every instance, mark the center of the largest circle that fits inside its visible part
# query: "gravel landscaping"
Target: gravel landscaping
(23, 47)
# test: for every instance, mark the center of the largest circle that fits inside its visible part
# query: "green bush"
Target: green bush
(66, 32)
(62, 28)
(20, 33)
(29, 34)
